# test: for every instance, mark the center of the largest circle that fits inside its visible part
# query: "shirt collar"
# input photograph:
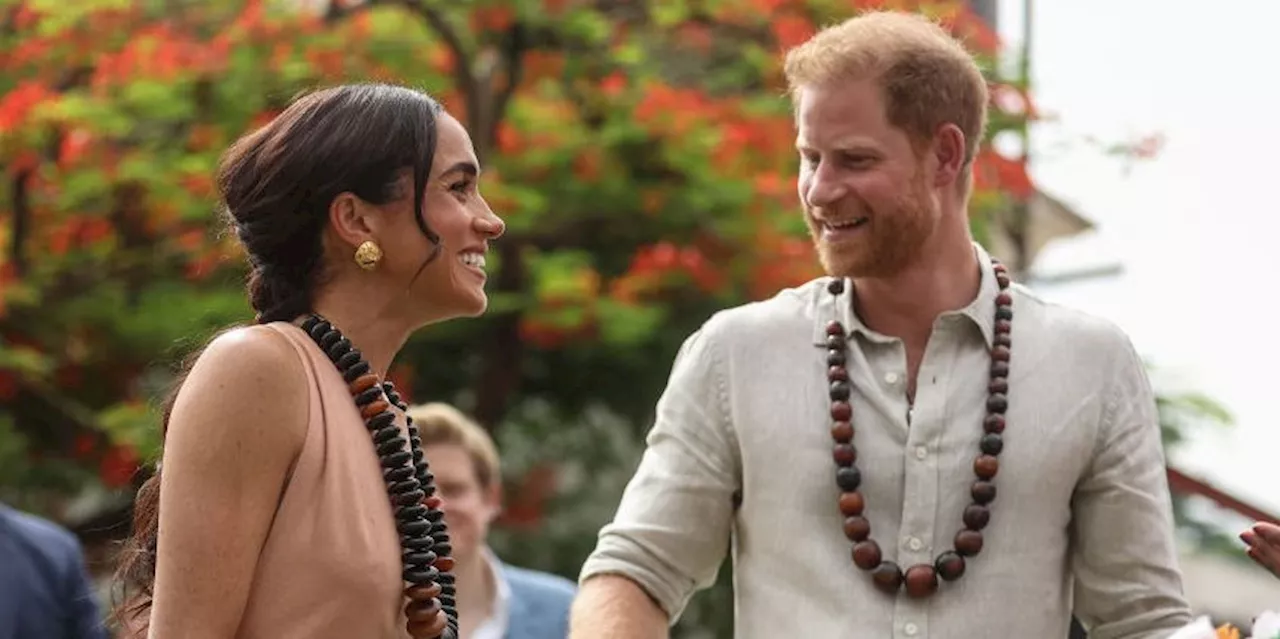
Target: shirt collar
(979, 311)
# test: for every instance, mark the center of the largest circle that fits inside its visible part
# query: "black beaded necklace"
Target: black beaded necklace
(431, 611)
(921, 580)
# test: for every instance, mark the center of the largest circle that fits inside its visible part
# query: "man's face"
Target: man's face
(468, 507)
(866, 199)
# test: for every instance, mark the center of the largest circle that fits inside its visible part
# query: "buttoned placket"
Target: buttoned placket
(925, 423)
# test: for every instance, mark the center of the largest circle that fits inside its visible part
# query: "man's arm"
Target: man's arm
(672, 528)
(84, 618)
(614, 606)
(1127, 580)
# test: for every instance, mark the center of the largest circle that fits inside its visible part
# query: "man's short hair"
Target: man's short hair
(441, 424)
(928, 78)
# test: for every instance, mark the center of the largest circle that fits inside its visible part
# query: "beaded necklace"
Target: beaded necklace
(921, 580)
(431, 610)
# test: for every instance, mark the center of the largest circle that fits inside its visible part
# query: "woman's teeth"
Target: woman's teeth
(472, 259)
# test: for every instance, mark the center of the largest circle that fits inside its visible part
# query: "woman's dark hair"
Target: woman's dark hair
(277, 184)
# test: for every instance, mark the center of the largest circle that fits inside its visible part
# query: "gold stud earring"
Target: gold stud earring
(368, 254)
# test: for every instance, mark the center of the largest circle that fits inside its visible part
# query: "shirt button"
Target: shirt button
(922, 452)
(891, 378)
(911, 629)
(914, 544)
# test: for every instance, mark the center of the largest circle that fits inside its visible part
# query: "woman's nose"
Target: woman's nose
(490, 225)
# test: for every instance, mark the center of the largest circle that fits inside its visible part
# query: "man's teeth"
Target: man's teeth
(472, 259)
(845, 224)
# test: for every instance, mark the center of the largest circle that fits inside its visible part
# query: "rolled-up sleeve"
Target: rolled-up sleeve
(1127, 581)
(672, 528)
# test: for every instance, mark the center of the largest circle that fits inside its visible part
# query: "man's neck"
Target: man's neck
(476, 591)
(906, 305)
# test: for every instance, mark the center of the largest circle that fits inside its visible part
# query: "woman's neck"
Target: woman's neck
(378, 335)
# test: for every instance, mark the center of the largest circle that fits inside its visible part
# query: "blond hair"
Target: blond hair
(440, 424)
(927, 77)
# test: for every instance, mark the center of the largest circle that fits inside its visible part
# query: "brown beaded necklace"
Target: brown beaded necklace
(922, 579)
(431, 611)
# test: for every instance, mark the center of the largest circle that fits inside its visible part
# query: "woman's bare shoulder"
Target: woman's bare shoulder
(248, 382)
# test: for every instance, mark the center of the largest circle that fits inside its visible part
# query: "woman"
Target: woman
(290, 504)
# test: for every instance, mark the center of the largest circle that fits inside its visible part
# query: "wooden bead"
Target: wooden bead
(857, 529)
(1003, 327)
(921, 581)
(1004, 299)
(423, 592)
(834, 327)
(998, 385)
(836, 342)
(420, 611)
(851, 504)
(374, 408)
(835, 287)
(968, 542)
(983, 492)
(433, 502)
(835, 358)
(363, 383)
(839, 390)
(443, 564)
(993, 424)
(976, 516)
(1000, 353)
(428, 629)
(841, 411)
(950, 565)
(842, 432)
(848, 478)
(991, 444)
(866, 555)
(997, 403)
(1002, 339)
(999, 369)
(844, 454)
(887, 577)
(986, 466)
(837, 373)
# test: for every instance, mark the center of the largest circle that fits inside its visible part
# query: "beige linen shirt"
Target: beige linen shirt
(1082, 520)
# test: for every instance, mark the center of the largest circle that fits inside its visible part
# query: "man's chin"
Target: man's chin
(842, 265)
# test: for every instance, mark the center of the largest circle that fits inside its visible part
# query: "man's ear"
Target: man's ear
(493, 498)
(948, 150)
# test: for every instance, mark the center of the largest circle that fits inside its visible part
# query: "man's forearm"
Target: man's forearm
(614, 607)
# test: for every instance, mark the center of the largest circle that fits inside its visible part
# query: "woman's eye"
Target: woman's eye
(460, 187)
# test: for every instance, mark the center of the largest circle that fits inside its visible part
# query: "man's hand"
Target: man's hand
(1264, 545)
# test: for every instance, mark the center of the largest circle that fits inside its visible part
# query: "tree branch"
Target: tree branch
(463, 69)
(515, 45)
(21, 221)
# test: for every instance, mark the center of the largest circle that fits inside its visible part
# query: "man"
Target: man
(847, 438)
(44, 588)
(495, 600)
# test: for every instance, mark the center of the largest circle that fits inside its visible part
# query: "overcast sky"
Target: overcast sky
(1197, 228)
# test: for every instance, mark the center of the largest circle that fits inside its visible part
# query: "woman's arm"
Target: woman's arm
(237, 426)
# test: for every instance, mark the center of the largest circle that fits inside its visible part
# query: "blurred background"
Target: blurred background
(641, 154)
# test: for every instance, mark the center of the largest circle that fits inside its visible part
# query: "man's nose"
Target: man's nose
(824, 188)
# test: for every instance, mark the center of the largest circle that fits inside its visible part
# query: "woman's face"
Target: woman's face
(452, 285)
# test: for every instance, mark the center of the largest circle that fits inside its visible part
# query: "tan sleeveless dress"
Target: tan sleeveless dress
(330, 567)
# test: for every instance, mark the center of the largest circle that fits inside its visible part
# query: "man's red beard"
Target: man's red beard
(882, 246)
